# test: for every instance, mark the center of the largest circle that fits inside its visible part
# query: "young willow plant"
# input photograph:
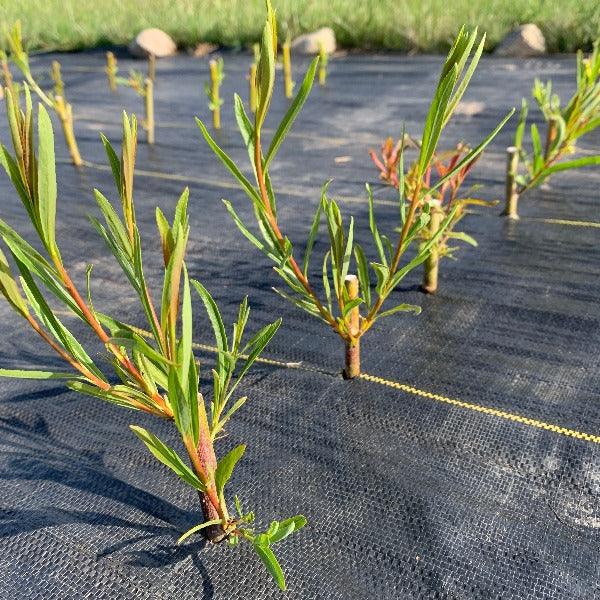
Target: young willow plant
(445, 200)
(157, 373)
(288, 82)
(53, 99)
(323, 62)
(143, 87)
(212, 89)
(340, 306)
(564, 126)
(111, 71)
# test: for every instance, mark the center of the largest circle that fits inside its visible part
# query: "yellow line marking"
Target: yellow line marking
(502, 414)
(594, 224)
(483, 409)
(486, 410)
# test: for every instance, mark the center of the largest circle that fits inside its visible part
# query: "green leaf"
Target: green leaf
(49, 319)
(168, 457)
(401, 308)
(216, 321)
(435, 119)
(180, 403)
(373, 227)
(265, 73)
(363, 273)
(24, 374)
(228, 162)
(113, 159)
(585, 161)
(468, 75)
(287, 527)
(521, 124)
(292, 112)
(464, 237)
(471, 155)
(226, 465)
(197, 528)
(254, 348)
(46, 180)
(10, 289)
(326, 281)
(538, 153)
(113, 222)
(348, 306)
(266, 555)
(185, 354)
(314, 230)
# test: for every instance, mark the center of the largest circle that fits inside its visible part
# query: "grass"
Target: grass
(424, 25)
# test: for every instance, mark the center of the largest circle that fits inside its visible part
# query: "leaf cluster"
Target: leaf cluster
(564, 124)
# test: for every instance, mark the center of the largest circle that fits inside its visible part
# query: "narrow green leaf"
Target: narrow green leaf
(168, 457)
(363, 273)
(287, 527)
(113, 159)
(585, 161)
(46, 180)
(373, 227)
(266, 555)
(10, 289)
(228, 162)
(197, 528)
(226, 465)
(292, 112)
(471, 155)
(400, 308)
(25, 374)
(214, 316)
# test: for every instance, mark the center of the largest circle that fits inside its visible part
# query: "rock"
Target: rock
(469, 108)
(152, 41)
(204, 49)
(309, 43)
(524, 41)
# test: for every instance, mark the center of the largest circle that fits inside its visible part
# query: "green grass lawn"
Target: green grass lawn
(425, 25)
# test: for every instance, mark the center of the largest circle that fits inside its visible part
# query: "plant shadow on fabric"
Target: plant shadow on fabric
(38, 456)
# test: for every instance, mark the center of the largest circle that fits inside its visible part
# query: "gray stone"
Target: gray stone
(524, 41)
(309, 43)
(152, 41)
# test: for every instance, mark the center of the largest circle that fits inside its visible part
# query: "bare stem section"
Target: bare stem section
(111, 71)
(287, 70)
(65, 114)
(512, 194)
(352, 367)
(149, 108)
(432, 263)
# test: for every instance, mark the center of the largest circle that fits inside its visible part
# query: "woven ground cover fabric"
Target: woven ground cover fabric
(407, 496)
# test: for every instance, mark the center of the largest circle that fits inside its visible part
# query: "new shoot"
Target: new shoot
(53, 99)
(333, 302)
(564, 127)
(213, 90)
(155, 373)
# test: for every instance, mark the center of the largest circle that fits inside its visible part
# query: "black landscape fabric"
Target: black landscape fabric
(407, 496)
